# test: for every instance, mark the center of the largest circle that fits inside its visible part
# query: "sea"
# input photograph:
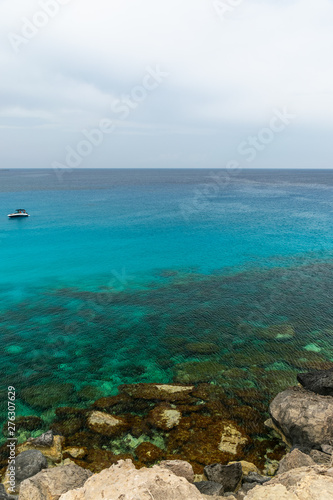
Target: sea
(123, 276)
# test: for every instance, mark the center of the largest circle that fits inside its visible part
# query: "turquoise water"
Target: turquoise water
(123, 276)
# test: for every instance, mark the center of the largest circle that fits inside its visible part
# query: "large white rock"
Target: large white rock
(49, 484)
(123, 481)
(303, 417)
(304, 483)
(273, 492)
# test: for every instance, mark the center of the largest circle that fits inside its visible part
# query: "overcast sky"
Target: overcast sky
(176, 83)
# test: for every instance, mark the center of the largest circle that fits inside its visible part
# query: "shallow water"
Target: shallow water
(124, 276)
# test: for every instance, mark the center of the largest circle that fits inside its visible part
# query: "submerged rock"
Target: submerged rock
(319, 381)
(53, 453)
(124, 481)
(276, 332)
(148, 453)
(206, 440)
(106, 424)
(231, 439)
(30, 423)
(201, 348)
(48, 395)
(162, 392)
(303, 417)
(89, 393)
(195, 372)
(164, 417)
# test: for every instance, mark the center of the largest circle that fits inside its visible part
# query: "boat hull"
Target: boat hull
(17, 216)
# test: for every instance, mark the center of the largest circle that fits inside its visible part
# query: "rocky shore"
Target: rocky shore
(182, 442)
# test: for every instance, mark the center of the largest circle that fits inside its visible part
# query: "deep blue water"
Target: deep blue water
(118, 275)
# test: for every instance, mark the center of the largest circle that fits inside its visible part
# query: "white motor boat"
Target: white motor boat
(20, 212)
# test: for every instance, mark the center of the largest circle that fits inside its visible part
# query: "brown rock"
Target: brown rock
(106, 424)
(89, 393)
(180, 468)
(47, 396)
(164, 417)
(67, 427)
(148, 453)
(202, 348)
(53, 453)
(32, 423)
(74, 452)
(198, 371)
(85, 439)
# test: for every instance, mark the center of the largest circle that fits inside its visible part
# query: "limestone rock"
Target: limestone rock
(274, 492)
(215, 497)
(75, 452)
(164, 417)
(179, 467)
(320, 458)
(231, 438)
(327, 449)
(227, 475)
(304, 483)
(123, 481)
(50, 484)
(305, 418)
(318, 381)
(294, 460)
(105, 424)
(53, 453)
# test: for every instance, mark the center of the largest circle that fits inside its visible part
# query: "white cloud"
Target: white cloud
(263, 55)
